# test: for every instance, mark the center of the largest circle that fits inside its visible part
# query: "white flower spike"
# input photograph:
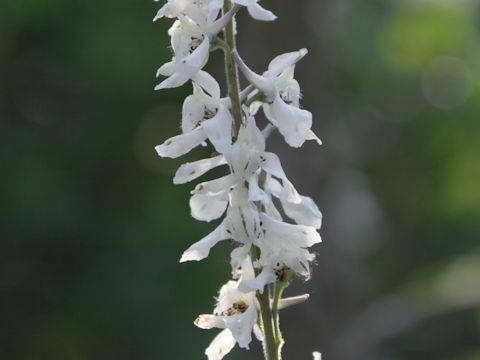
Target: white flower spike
(269, 251)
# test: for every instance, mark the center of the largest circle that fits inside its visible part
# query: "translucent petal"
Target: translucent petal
(221, 345)
(283, 62)
(219, 130)
(209, 321)
(208, 83)
(191, 64)
(166, 69)
(297, 235)
(208, 207)
(201, 249)
(241, 326)
(254, 191)
(237, 258)
(293, 123)
(267, 276)
(256, 11)
(190, 171)
(215, 186)
(181, 144)
(175, 80)
(271, 164)
(304, 213)
(259, 13)
(311, 136)
(192, 113)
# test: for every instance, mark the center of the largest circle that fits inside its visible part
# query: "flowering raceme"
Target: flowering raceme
(269, 251)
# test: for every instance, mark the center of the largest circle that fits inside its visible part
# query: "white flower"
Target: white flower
(196, 15)
(235, 312)
(317, 355)
(200, 105)
(283, 93)
(256, 11)
(217, 129)
(282, 245)
(304, 212)
(190, 56)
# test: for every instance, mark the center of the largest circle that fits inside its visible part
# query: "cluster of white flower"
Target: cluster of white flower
(268, 247)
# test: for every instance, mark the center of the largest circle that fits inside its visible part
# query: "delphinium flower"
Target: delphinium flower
(270, 249)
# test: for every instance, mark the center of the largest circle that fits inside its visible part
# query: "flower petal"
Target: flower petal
(254, 191)
(208, 83)
(175, 80)
(208, 207)
(201, 249)
(293, 123)
(181, 144)
(221, 345)
(219, 130)
(192, 113)
(271, 164)
(256, 11)
(190, 171)
(267, 276)
(282, 62)
(215, 186)
(304, 213)
(192, 63)
(241, 326)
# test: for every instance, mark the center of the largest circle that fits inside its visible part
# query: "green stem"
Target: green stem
(279, 286)
(269, 344)
(257, 97)
(232, 71)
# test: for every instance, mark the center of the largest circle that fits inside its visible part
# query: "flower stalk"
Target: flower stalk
(231, 69)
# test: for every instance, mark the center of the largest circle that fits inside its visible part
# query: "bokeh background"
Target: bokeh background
(92, 226)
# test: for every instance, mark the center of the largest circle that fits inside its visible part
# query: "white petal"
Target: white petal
(271, 210)
(221, 345)
(271, 164)
(300, 235)
(254, 191)
(192, 113)
(304, 213)
(259, 13)
(256, 11)
(189, 171)
(215, 186)
(237, 261)
(191, 64)
(316, 356)
(201, 249)
(311, 136)
(219, 130)
(284, 61)
(252, 135)
(258, 333)
(175, 80)
(208, 321)
(181, 144)
(267, 276)
(208, 83)
(293, 123)
(241, 326)
(166, 69)
(291, 301)
(208, 207)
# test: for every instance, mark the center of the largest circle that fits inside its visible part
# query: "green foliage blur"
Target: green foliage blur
(92, 226)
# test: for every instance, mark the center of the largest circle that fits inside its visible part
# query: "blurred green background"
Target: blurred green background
(92, 226)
